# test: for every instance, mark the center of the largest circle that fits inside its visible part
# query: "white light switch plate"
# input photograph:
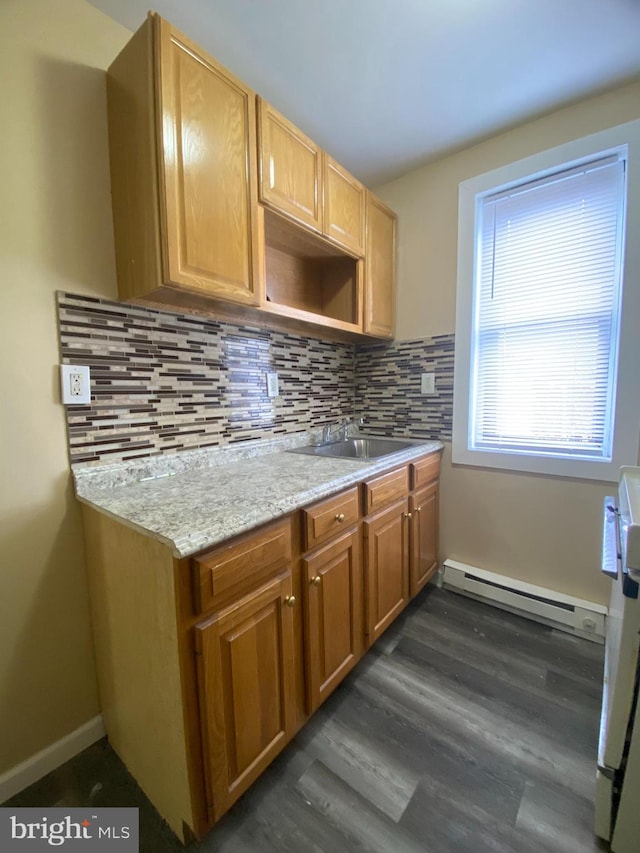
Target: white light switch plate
(272, 385)
(428, 383)
(75, 382)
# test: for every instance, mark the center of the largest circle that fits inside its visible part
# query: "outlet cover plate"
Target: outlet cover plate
(428, 383)
(75, 381)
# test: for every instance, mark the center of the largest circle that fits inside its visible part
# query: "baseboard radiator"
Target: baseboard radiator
(564, 612)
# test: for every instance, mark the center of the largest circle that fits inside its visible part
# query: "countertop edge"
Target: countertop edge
(200, 540)
(126, 522)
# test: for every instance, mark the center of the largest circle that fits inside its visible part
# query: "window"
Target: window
(542, 319)
(545, 338)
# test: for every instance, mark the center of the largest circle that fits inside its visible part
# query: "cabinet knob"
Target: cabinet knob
(418, 508)
(290, 600)
(316, 581)
(340, 517)
(407, 515)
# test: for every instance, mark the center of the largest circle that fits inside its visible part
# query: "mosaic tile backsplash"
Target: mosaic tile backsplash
(164, 382)
(388, 387)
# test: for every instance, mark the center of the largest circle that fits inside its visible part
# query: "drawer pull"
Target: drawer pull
(316, 581)
(407, 515)
(290, 600)
(340, 517)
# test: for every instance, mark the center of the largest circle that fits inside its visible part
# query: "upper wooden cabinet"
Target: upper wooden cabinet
(344, 207)
(380, 269)
(290, 168)
(222, 206)
(183, 167)
(305, 183)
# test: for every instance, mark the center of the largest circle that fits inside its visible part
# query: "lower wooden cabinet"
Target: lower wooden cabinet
(423, 563)
(332, 584)
(245, 674)
(208, 665)
(386, 550)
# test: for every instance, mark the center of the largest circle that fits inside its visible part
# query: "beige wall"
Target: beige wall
(56, 234)
(537, 528)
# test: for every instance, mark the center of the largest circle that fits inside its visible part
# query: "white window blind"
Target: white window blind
(546, 313)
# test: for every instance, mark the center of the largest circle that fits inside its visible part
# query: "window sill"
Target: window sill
(584, 469)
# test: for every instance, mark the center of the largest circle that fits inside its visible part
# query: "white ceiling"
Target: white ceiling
(386, 85)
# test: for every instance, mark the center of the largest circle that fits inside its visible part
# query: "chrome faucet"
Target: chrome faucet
(330, 428)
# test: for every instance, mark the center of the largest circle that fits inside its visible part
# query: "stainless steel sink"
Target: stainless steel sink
(358, 448)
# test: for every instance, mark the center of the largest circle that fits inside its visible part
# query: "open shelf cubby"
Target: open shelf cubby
(306, 273)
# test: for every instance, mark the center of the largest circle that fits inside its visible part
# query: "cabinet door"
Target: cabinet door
(245, 674)
(386, 547)
(423, 506)
(344, 207)
(208, 167)
(290, 168)
(332, 582)
(380, 270)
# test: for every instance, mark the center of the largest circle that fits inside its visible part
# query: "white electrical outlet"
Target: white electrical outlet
(76, 384)
(272, 385)
(428, 383)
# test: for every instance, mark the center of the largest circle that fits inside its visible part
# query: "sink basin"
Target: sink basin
(358, 448)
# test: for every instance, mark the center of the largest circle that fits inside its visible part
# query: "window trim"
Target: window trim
(627, 398)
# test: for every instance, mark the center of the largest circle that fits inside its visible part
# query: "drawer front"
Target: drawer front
(330, 517)
(232, 571)
(425, 470)
(385, 489)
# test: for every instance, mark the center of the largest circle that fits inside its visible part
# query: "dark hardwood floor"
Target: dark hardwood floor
(464, 729)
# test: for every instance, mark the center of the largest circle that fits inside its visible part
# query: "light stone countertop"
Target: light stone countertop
(192, 503)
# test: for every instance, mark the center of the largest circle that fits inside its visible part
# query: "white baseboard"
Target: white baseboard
(52, 756)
